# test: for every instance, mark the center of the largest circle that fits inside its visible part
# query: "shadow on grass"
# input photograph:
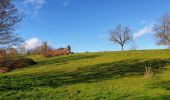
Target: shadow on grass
(89, 74)
(66, 59)
(159, 97)
(162, 85)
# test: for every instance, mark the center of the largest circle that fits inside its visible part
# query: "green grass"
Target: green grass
(91, 76)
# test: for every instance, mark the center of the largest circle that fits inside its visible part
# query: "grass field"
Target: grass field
(91, 76)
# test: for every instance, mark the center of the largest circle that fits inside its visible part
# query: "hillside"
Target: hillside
(91, 76)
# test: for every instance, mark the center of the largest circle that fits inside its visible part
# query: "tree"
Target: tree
(42, 49)
(9, 17)
(120, 35)
(22, 48)
(162, 30)
(12, 51)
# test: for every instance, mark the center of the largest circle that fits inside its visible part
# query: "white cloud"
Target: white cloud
(32, 7)
(66, 3)
(36, 3)
(32, 43)
(146, 22)
(147, 29)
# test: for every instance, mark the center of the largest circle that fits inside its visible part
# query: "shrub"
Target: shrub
(15, 64)
(21, 63)
(57, 52)
(148, 72)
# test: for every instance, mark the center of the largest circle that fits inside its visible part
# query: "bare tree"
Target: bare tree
(22, 48)
(9, 17)
(162, 30)
(120, 35)
(42, 49)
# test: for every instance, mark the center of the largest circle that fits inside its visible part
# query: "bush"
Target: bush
(11, 64)
(4, 69)
(21, 63)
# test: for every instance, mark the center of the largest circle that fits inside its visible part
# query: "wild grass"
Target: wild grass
(91, 76)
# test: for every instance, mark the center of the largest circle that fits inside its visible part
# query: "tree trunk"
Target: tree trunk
(122, 47)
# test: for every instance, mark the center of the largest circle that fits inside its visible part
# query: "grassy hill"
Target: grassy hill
(91, 76)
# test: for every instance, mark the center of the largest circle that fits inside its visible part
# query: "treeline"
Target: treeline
(44, 49)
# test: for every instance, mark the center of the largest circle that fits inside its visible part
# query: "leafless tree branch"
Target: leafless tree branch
(120, 35)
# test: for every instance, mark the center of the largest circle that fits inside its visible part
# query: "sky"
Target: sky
(85, 24)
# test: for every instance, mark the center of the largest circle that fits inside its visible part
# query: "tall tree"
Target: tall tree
(120, 35)
(162, 30)
(9, 17)
(42, 49)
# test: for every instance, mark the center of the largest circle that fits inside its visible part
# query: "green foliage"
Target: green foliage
(91, 76)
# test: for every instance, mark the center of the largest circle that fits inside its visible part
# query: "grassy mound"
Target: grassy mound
(91, 76)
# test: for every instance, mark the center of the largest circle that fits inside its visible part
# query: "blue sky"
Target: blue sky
(84, 24)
